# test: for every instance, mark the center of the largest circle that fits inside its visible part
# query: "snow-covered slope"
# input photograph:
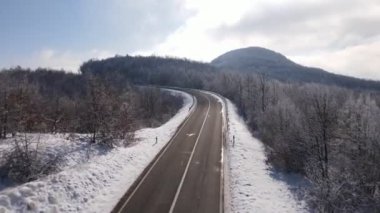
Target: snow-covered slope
(252, 185)
(96, 185)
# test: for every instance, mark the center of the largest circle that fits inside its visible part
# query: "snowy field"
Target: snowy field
(253, 186)
(94, 185)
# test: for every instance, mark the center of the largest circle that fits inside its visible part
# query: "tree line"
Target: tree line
(50, 101)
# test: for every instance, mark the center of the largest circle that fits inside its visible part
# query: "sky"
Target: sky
(341, 36)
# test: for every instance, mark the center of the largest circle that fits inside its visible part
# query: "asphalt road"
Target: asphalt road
(187, 174)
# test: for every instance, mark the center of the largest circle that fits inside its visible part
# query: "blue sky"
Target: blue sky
(341, 36)
(42, 29)
(27, 26)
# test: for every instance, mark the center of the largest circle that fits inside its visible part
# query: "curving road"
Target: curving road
(186, 176)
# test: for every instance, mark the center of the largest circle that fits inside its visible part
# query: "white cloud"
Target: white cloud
(359, 61)
(67, 60)
(128, 25)
(311, 32)
(193, 40)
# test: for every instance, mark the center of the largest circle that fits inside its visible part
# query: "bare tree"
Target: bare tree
(26, 161)
(98, 111)
(263, 89)
(4, 111)
(55, 115)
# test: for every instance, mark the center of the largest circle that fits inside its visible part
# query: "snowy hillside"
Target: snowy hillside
(252, 185)
(95, 185)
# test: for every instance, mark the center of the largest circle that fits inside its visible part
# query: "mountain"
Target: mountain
(251, 57)
(277, 66)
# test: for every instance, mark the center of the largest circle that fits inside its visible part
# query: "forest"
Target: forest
(327, 133)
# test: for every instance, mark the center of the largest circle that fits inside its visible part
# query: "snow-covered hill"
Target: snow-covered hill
(95, 185)
(253, 185)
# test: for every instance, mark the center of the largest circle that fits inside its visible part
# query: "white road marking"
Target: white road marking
(159, 157)
(188, 163)
(190, 134)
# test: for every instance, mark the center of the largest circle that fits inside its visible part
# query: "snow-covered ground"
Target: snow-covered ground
(93, 185)
(252, 185)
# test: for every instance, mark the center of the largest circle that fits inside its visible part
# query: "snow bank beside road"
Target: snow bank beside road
(250, 184)
(97, 185)
(253, 187)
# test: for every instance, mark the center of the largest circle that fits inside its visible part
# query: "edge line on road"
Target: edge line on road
(159, 157)
(189, 162)
(224, 132)
(224, 142)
